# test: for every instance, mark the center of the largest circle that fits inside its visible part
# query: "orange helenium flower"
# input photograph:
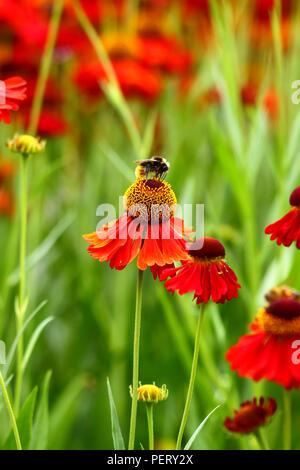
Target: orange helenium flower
(270, 351)
(251, 415)
(147, 230)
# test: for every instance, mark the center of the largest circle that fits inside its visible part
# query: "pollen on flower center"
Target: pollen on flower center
(206, 249)
(152, 200)
(281, 317)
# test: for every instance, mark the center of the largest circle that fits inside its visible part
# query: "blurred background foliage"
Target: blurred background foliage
(226, 123)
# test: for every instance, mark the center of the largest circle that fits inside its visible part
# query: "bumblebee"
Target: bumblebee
(281, 292)
(159, 166)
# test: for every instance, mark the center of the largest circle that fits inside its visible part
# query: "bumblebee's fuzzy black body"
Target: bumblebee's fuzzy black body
(159, 166)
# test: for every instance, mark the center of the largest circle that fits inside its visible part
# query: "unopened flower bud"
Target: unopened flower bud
(150, 393)
(26, 144)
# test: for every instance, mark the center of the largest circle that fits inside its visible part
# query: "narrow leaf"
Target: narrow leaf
(41, 425)
(14, 345)
(190, 442)
(24, 422)
(115, 425)
(63, 412)
(33, 340)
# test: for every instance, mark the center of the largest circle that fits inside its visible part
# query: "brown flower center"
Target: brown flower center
(152, 200)
(206, 249)
(281, 317)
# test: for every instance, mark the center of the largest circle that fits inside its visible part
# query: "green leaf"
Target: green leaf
(190, 442)
(117, 161)
(33, 340)
(14, 345)
(115, 425)
(148, 134)
(43, 249)
(24, 422)
(41, 424)
(63, 412)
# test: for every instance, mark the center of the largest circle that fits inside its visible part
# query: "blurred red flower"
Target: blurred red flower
(287, 230)
(135, 79)
(268, 353)
(251, 415)
(12, 90)
(7, 204)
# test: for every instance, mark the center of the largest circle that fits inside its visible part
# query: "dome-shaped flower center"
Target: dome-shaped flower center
(152, 200)
(281, 317)
(206, 249)
(295, 197)
(284, 308)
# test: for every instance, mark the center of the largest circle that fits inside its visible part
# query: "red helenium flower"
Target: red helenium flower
(269, 352)
(12, 90)
(287, 230)
(251, 415)
(205, 273)
(154, 243)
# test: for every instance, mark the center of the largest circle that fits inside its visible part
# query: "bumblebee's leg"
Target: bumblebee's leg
(147, 172)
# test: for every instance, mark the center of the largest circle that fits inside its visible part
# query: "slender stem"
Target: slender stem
(20, 312)
(192, 379)
(10, 412)
(149, 409)
(23, 228)
(287, 420)
(136, 347)
(261, 439)
(45, 67)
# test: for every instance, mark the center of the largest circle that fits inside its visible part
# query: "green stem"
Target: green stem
(261, 439)
(20, 312)
(10, 412)
(192, 379)
(149, 409)
(136, 347)
(45, 67)
(287, 420)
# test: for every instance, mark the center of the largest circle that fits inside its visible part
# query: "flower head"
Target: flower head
(287, 230)
(270, 351)
(12, 90)
(26, 144)
(148, 230)
(205, 273)
(251, 415)
(150, 393)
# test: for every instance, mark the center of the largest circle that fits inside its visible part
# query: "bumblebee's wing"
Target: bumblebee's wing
(140, 161)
